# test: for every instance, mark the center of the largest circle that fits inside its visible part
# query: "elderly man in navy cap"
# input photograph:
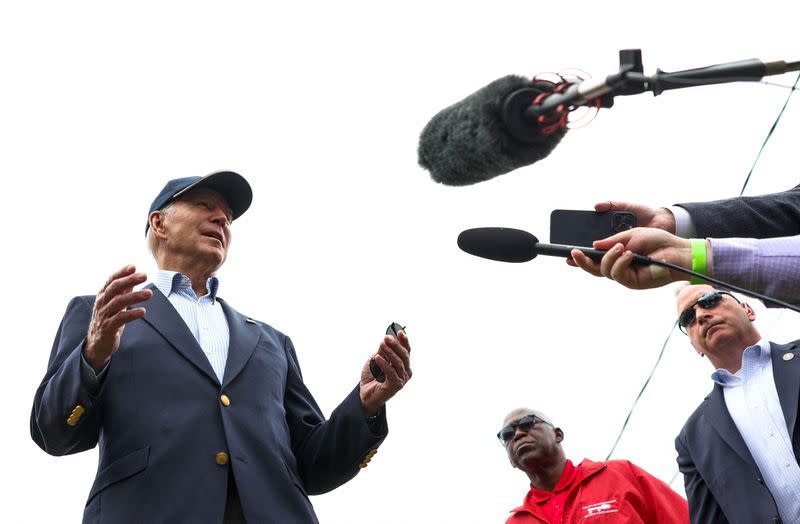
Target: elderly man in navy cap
(200, 412)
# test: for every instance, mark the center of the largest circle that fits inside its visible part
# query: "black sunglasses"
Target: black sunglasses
(707, 301)
(525, 424)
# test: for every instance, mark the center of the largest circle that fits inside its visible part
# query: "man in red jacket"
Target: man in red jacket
(591, 492)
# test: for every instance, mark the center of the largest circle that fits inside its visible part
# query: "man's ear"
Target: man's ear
(559, 435)
(751, 314)
(698, 351)
(156, 219)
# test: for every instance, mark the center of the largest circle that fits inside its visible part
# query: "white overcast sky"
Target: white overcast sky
(319, 105)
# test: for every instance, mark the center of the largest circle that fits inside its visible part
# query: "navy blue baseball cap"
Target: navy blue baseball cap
(232, 186)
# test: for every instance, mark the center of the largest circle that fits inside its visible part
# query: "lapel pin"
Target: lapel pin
(788, 356)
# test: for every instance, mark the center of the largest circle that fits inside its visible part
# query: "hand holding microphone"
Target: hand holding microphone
(653, 243)
(514, 245)
(639, 258)
(505, 244)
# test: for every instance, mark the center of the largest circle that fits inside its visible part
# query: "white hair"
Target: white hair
(153, 242)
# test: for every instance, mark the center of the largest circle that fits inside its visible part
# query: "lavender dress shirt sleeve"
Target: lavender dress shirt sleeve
(770, 266)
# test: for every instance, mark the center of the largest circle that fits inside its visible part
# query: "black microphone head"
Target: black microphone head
(504, 244)
(472, 141)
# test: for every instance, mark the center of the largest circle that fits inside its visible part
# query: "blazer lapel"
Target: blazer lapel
(786, 370)
(245, 333)
(164, 319)
(717, 414)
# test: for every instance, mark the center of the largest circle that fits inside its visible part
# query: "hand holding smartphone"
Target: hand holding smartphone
(580, 228)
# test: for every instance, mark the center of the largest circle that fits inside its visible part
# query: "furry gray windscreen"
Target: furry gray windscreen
(469, 142)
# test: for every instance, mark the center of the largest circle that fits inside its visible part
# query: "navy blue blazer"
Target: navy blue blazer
(762, 216)
(168, 430)
(723, 483)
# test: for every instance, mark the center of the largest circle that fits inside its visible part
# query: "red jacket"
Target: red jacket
(614, 491)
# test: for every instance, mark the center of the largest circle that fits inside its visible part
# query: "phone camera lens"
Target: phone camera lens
(622, 223)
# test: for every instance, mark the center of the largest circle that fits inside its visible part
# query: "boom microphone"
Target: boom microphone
(514, 122)
(486, 134)
(506, 244)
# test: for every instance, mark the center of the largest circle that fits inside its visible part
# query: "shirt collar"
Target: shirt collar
(760, 352)
(169, 282)
(567, 477)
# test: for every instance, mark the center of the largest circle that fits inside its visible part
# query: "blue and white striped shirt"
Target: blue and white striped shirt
(203, 316)
(752, 401)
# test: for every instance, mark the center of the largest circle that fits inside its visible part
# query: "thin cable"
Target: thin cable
(775, 84)
(752, 168)
(727, 285)
(674, 325)
(769, 134)
(646, 382)
(673, 478)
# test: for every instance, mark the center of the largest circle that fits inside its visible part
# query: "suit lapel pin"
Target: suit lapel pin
(788, 356)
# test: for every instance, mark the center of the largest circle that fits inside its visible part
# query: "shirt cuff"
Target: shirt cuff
(91, 379)
(736, 260)
(684, 225)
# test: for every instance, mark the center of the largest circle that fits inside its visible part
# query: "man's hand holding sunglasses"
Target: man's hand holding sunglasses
(652, 242)
(394, 360)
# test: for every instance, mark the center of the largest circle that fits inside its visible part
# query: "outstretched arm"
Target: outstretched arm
(762, 216)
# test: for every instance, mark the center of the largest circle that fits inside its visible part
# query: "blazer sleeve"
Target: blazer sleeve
(328, 452)
(764, 216)
(703, 507)
(64, 419)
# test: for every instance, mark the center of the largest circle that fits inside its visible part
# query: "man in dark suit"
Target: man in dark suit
(200, 412)
(739, 450)
(762, 216)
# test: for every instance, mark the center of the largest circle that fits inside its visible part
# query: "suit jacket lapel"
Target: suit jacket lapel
(717, 414)
(787, 380)
(244, 337)
(166, 320)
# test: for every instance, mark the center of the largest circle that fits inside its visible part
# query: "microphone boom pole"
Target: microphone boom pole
(516, 121)
(630, 80)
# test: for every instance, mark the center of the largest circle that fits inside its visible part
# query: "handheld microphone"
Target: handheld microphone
(505, 244)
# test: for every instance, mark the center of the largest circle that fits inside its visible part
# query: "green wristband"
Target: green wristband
(698, 259)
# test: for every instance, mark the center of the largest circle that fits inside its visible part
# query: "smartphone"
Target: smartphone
(580, 228)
